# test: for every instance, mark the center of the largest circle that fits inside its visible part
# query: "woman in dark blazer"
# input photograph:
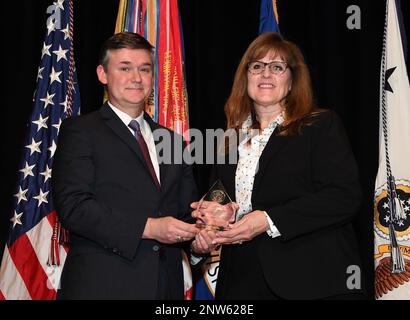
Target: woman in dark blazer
(296, 184)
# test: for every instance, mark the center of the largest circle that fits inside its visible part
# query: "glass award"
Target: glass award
(216, 209)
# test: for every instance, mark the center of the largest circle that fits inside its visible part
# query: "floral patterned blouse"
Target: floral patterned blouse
(249, 154)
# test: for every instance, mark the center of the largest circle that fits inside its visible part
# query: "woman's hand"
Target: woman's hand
(203, 242)
(250, 226)
(213, 213)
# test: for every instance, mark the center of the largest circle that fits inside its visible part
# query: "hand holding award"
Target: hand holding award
(216, 209)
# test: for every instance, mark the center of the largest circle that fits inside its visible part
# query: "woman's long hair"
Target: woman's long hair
(298, 103)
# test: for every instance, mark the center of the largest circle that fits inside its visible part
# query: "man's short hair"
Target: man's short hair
(128, 40)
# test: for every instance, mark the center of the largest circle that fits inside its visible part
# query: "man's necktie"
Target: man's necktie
(134, 125)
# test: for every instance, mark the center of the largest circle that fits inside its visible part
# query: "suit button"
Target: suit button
(115, 250)
(155, 248)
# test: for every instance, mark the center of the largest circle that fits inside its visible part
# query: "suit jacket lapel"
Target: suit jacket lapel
(163, 168)
(272, 148)
(115, 123)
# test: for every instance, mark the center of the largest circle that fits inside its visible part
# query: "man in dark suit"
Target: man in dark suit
(124, 209)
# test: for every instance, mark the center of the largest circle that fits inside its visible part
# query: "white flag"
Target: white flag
(392, 189)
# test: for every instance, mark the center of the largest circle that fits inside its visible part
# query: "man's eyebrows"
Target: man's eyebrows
(129, 62)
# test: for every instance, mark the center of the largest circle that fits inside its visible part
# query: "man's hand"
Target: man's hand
(169, 230)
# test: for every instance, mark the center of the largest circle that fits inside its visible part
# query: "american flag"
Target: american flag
(33, 258)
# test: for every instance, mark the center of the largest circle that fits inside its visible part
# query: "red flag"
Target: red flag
(173, 103)
(158, 21)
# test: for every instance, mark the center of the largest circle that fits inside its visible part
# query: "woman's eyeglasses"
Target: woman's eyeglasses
(275, 67)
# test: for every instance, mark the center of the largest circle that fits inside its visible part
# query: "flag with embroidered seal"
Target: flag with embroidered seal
(392, 188)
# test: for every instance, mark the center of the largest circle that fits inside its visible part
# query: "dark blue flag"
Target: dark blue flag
(268, 20)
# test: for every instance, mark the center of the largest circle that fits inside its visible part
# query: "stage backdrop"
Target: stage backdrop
(345, 66)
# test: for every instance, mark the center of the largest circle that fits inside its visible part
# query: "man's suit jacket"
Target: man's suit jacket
(103, 194)
(309, 186)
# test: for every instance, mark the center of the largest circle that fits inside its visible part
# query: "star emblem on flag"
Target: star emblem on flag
(34, 239)
(16, 218)
(389, 73)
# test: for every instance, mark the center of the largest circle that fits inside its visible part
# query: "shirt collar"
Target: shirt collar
(125, 117)
(276, 122)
